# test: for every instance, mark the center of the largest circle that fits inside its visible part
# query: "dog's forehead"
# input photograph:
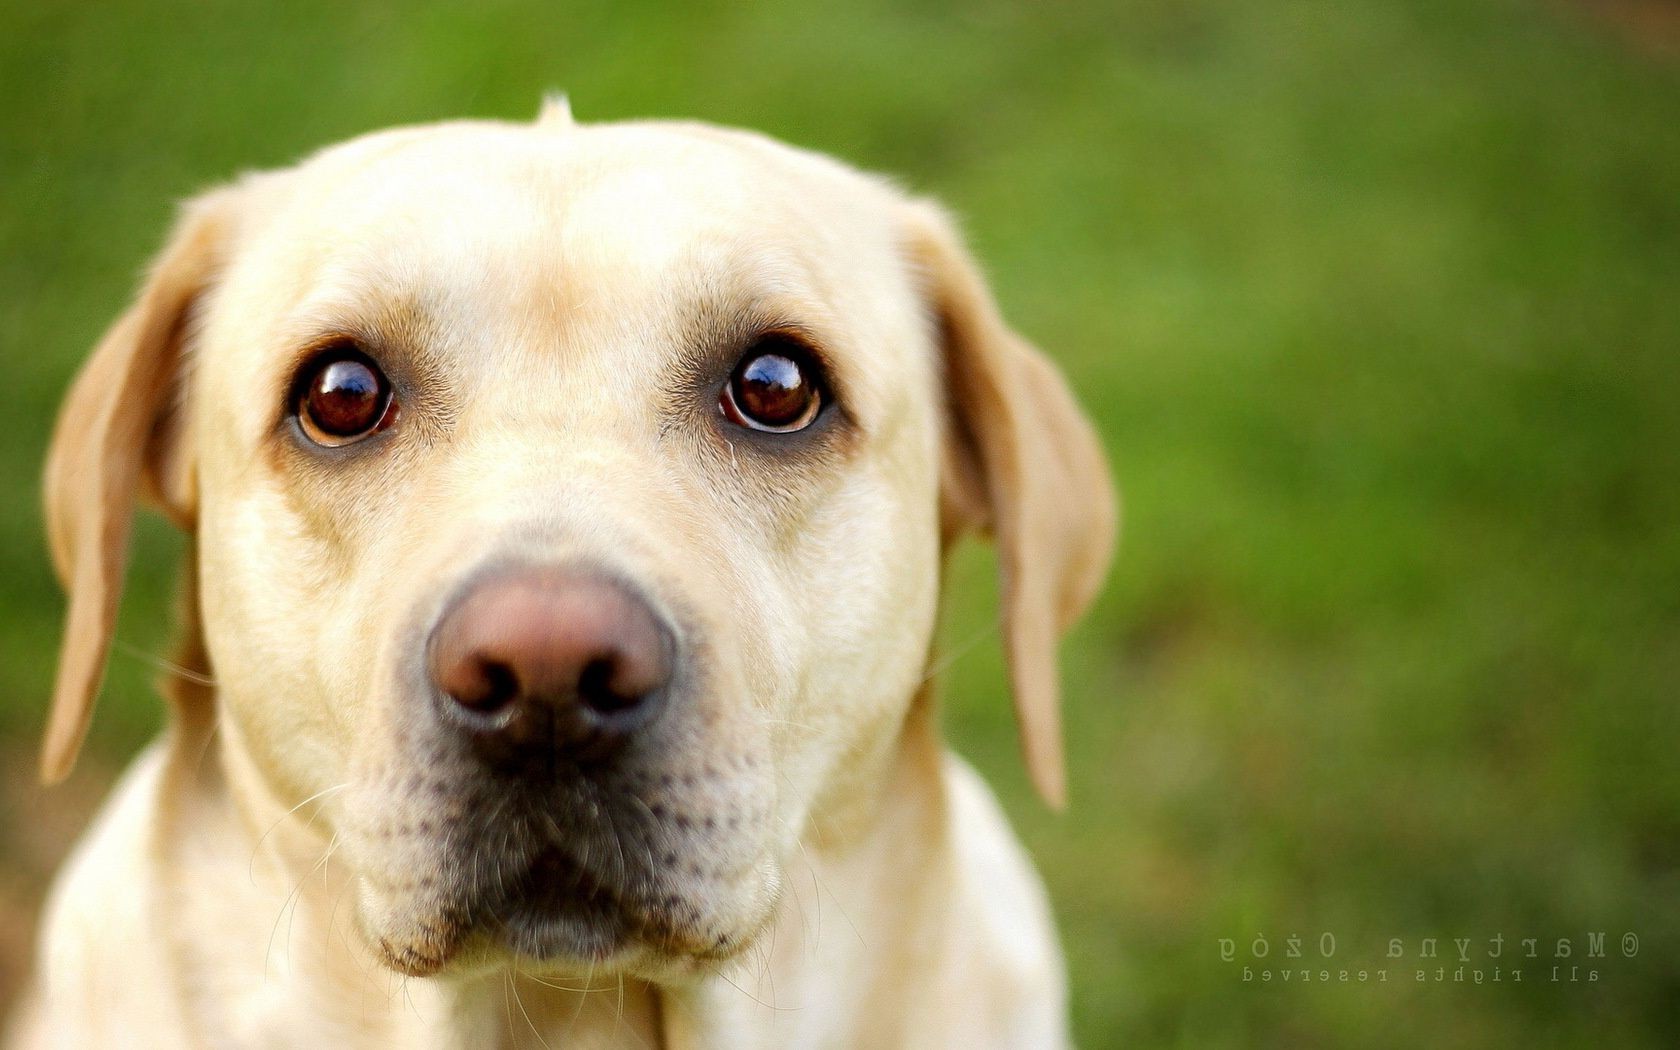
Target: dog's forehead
(638, 197)
(481, 237)
(528, 236)
(498, 251)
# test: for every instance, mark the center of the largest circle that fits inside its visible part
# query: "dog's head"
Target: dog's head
(568, 509)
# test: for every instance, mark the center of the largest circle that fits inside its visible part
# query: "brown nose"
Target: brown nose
(542, 663)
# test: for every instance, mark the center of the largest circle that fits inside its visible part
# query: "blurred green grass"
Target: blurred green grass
(1377, 305)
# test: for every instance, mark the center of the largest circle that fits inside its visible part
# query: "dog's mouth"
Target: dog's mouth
(648, 864)
(558, 909)
(552, 909)
(561, 911)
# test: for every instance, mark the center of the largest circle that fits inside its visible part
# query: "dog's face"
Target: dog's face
(569, 505)
(567, 326)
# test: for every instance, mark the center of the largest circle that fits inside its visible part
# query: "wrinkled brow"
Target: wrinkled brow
(398, 309)
(708, 304)
(721, 300)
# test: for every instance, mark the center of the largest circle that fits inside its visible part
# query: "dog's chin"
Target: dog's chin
(556, 918)
(559, 915)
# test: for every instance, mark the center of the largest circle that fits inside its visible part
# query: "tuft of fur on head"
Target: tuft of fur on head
(556, 112)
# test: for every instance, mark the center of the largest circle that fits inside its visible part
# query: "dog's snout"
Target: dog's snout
(549, 662)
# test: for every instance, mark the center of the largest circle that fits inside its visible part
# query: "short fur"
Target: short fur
(302, 860)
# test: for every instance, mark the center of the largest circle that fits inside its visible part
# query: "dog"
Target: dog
(567, 508)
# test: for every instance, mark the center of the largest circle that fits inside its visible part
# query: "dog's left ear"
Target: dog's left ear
(119, 437)
(1023, 463)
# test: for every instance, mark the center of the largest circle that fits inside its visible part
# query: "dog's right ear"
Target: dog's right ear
(119, 436)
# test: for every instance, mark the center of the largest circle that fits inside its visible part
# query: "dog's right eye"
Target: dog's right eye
(342, 396)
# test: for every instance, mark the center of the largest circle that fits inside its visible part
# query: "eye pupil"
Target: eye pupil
(772, 390)
(345, 398)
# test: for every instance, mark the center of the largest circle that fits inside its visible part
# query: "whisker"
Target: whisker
(250, 865)
(162, 663)
(291, 902)
(209, 741)
(786, 722)
(816, 880)
(507, 1009)
(577, 1011)
(718, 973)
(534, 979)
(618, 1015)
(961, 649)
(520, 1002)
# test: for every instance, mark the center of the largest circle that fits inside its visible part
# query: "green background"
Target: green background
(1377, 305)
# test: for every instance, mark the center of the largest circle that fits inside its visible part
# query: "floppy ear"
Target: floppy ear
(119, 436)
(1023, 463)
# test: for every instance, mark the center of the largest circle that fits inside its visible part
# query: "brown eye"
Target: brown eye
(343, 397)
(774, 388)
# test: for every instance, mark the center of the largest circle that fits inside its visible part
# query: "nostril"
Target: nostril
(599, 690)
(480, 683)
(498, 686)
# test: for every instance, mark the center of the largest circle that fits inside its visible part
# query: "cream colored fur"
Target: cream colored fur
(546, 278)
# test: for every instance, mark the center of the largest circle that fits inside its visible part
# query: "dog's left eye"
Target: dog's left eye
(776, 387)
(341, 396)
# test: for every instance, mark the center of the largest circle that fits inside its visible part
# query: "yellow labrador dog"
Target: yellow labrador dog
(567, 510)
